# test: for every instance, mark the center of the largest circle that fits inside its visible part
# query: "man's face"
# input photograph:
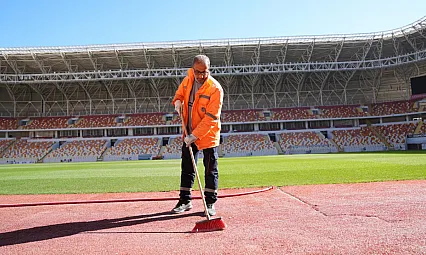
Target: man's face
(201, 72)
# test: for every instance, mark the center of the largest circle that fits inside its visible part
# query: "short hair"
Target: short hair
(202, 59)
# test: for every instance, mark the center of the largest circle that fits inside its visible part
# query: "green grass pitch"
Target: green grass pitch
(164, 175)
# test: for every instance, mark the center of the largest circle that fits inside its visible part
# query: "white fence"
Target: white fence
(251, 153)
(18, 160)
(360, 148)
(310, 149)
(71, 159)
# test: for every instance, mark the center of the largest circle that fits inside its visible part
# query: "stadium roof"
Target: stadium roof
(222, 52)
(255, 72)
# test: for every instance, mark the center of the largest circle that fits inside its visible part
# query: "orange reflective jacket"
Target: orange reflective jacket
(206, 109)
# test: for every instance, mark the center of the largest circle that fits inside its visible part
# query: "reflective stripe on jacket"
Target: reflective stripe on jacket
(206, 109)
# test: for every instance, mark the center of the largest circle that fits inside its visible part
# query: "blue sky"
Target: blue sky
(82, 22)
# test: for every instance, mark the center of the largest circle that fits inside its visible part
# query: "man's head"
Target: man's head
(201, 65)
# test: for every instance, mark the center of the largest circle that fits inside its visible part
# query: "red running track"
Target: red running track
(366, 218)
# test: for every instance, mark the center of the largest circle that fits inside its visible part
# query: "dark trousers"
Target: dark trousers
(211, 173)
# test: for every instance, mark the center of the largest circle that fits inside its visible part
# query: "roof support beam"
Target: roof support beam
(70, 69)
(287, 68)
(12, 64)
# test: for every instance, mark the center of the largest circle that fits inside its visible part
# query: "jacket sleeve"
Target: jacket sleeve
(212, 115)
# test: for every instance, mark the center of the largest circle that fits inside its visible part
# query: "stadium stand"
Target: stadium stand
(133, 149)
(47, 123)
(175, 120)
(233, 116)
(77, 151)
(356, 140)
(305, 142)
(292, 114)
(423, 128)
(240, 116)
(340, 111)
(395, 134)
(149, 119)
(4, 144)
(8, 123)
(97, 121)
(370, 138)
(248, 145)
(23, 151)
(390, 108)
(173, 149)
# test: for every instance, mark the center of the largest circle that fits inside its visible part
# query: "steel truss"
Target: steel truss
(255, 73)
(253, 69)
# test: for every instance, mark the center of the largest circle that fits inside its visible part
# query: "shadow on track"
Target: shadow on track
(68, 229)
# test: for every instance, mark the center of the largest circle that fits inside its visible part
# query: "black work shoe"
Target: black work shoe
(182, 206)
(211, 210)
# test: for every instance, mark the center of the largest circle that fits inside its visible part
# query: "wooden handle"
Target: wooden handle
(195, 170)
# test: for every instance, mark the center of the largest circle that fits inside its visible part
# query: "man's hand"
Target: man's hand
(189, 139)
(178, 106)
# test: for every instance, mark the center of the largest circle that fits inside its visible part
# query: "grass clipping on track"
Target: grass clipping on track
(164, 175)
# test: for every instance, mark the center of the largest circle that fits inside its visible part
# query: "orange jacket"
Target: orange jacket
(206, 109)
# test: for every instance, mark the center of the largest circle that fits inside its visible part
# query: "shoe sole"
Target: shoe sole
(187, 209)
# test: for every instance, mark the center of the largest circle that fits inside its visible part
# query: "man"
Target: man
(200, 99)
